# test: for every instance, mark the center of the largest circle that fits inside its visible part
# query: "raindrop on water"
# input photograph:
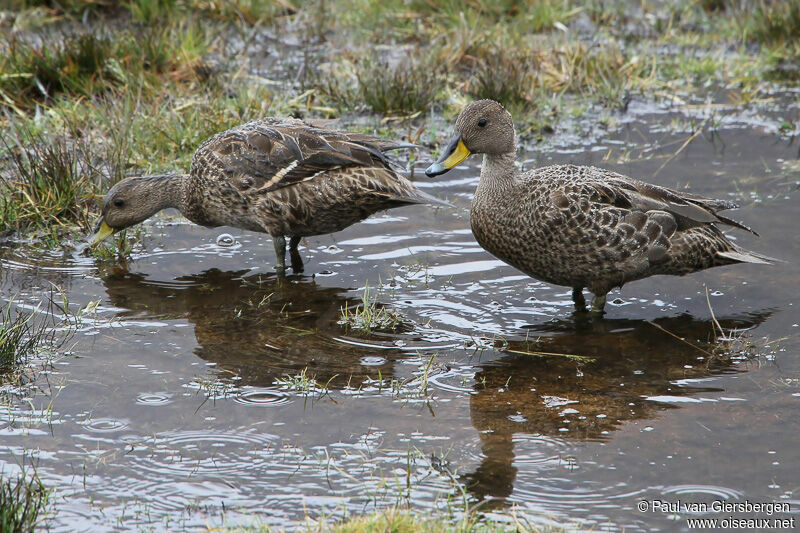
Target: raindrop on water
(226, 240)
(371, 360)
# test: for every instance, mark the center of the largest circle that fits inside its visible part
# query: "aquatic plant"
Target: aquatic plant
(23, 501)
(371, 316)
(401, 519)
(41, 330)
(16, 341)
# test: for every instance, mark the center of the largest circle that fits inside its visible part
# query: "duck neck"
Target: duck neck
(498, 173)
(169, 190)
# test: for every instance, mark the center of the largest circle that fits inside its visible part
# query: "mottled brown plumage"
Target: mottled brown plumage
(284, 177)
(583, 227)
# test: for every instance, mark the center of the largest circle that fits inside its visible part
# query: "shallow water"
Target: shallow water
(177, 407)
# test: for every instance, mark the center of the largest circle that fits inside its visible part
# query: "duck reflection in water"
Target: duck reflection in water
(577, 399)
(260, 328)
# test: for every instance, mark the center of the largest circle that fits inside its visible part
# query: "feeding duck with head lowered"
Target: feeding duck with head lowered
(580, 226)
(278, 176)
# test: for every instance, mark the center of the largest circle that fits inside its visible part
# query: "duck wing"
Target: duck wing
(618, 226)
(270, 154)
(689, 210)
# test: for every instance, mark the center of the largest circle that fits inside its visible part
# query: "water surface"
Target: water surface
(179, 403)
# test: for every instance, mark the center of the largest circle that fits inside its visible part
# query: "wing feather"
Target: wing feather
(269, 154)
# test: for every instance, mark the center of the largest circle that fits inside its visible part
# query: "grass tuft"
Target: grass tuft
(404, 88)
(401, 520)
(774, 22)
(90, 64)
(71, 64)
(372, 317)
(507, 76)
(49, 183)
(22, 503)
(18, 339)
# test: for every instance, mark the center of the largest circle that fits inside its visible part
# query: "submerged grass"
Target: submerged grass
(371, 316)
(29, 332)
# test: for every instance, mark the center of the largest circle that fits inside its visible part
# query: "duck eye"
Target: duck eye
(481, 122)
(119, 202)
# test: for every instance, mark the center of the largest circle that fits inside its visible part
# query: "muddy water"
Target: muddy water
(178, 404)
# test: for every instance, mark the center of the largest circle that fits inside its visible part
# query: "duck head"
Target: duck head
(483, 127)
(131, 201)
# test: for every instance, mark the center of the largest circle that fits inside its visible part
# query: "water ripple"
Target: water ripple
(104, 425)
(154, 398)
(704, 490)
(261, 396)
(199, 452)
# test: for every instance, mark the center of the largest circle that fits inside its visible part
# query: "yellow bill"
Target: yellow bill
(101, 232)
(454, 154)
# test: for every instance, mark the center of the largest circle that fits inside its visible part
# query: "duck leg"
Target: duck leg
(598, 303)
(580, 301)
(297, 261)
(280, 253)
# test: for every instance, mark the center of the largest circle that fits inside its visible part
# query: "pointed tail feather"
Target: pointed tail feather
(430, 199)
(745, 256)
(736, 224)
(420, 197)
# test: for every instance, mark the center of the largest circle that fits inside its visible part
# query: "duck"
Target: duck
(282, 176)
(581, 226)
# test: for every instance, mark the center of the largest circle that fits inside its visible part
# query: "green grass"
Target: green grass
(139, 86)
(36, 72)
(23, 501)
(773, 22)
(507, 76)
(371, 316)
(35, 333)
(398, 520)
(402, 88)
(81, 65)
(152, 11)
(50, 183)
(19, 338)
(76, 8)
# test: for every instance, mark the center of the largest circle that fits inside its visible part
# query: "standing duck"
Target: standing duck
(284, 177)
(579, 226)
